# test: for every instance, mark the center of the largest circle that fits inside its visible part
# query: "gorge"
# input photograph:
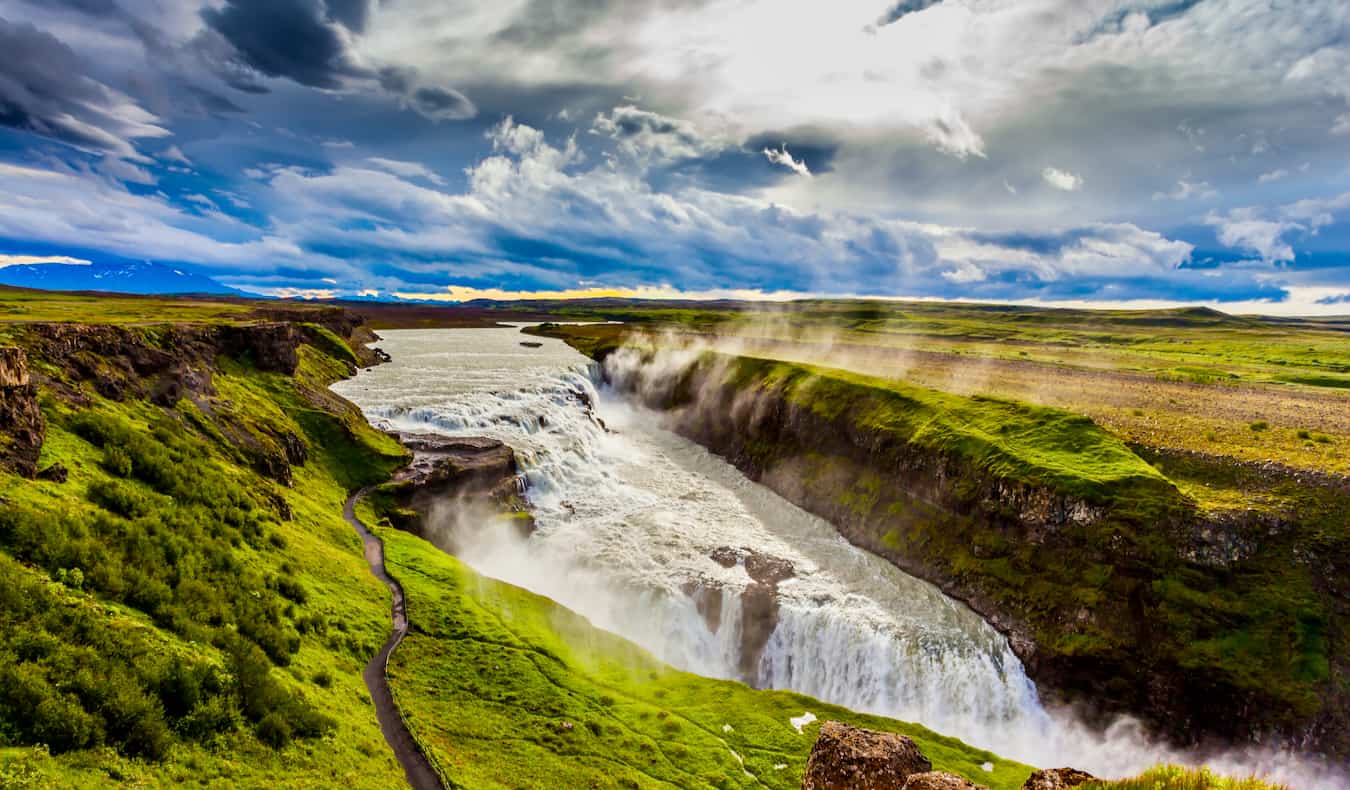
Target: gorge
(654, 538)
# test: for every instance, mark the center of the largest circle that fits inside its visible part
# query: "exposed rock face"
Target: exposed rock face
(850, 758)
(940, 780)
(167, 363)
(272, 347)
(759, 602)
(468, 470)
(22, 428)
(13, 367)
(1057, 779)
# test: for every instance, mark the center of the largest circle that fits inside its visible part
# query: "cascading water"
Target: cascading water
(631, 517)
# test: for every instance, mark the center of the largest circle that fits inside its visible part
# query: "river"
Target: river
(630, 516)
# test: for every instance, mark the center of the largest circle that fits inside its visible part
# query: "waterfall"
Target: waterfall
(648, 535)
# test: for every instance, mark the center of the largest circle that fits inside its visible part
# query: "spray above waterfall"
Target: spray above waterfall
(653, 538)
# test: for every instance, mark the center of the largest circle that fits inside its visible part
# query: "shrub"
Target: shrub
(212, 716)
(274, 731)
(116, 461)
(1259, 425)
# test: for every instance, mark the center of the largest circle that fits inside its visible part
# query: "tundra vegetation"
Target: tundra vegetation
(181, 601)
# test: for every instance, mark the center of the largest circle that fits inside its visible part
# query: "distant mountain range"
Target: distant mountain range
(123, 277)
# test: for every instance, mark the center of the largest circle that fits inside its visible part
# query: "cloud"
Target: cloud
(1061, 179)
(1266, 231)
(782, 157)
(651, 137)
(463, 293)
(1274, 175)
(45, 89)
(28, 260)
(1185, 190)
(1242, 230)
(407, 169)
(313, 43)
(175, 154)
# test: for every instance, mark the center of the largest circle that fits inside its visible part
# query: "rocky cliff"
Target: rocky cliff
(1109, 583)
(21, 425)
(165, 363)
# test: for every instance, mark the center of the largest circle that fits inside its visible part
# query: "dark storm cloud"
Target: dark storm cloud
(44, 90)
(310, 43)
(296, 39)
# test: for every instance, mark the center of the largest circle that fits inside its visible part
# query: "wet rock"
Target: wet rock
(470, 469)
(940, 780)
(851, 758)
(56, 473)
(1057, 779)
(759, 602)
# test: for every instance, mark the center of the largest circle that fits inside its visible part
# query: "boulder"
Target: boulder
(940, 780)
(1057, 779)
(57, 473)
(851, 758)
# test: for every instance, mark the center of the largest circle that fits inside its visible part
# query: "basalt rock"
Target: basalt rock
(1057, 779)
(22, 428)
(851, 758)
(468, 472)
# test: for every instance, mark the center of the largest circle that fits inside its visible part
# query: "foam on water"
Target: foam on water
(628, 515)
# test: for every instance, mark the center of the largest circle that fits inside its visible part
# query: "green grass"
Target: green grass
(1011, 440)
(1173, 777)
(509, 689)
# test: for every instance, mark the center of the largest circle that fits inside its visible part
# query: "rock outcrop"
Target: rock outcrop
(468, 472)
(1057, 779)
(759, 602)
(22, 428)
(850, 758)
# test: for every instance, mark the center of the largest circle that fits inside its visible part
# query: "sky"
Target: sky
(1131, 152)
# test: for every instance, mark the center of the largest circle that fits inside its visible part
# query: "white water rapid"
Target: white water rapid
(628, 515)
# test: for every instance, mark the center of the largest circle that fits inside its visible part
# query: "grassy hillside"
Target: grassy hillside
(171, 614)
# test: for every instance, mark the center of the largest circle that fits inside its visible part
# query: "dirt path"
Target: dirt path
(415, 766)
